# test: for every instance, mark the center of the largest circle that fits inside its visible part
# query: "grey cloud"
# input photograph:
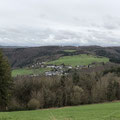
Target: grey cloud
(40, 37)
(63, 22)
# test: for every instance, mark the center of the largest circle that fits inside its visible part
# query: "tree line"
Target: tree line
(78, 88)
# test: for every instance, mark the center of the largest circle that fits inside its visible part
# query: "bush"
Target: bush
(14, 105)
(40, 97)
(33, 104)
(77, 95)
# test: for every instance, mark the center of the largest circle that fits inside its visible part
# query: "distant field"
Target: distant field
(70, 51)
(107, 111)
(26, 71)
(79, 60)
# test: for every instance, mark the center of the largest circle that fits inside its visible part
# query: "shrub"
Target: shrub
(76, 96)
(33, 104)
(40, 97)
(14, 105)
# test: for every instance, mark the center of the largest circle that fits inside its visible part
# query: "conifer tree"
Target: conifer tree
(5, 82)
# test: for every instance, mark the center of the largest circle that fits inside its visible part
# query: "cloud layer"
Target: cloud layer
(60, 22)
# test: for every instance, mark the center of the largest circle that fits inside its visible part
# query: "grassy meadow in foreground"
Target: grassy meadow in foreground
(106, 111)
(79, 60)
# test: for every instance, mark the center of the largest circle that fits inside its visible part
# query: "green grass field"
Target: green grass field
(106, 111)
(27, 71)
(79, 60)
(70, 51)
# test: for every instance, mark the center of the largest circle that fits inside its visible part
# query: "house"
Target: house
(50, 66)
(48, 73)
(69, 67)
(53, 73)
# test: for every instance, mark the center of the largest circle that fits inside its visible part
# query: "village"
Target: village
(62, 69)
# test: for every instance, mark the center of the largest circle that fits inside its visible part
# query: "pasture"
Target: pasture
(27, 71)
(70, 51)
(82, 59)
(106, 111)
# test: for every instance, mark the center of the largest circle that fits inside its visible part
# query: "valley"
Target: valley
(61, 66)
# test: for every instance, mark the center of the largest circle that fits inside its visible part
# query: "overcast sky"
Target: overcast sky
(60, 22)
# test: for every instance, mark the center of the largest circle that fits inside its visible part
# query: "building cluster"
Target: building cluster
(38, 65)
(59, 69)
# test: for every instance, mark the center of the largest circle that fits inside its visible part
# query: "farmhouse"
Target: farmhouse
(52, 73)
(51, 66)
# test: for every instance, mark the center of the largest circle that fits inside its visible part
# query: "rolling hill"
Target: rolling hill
(22, 57)
(75, 60)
